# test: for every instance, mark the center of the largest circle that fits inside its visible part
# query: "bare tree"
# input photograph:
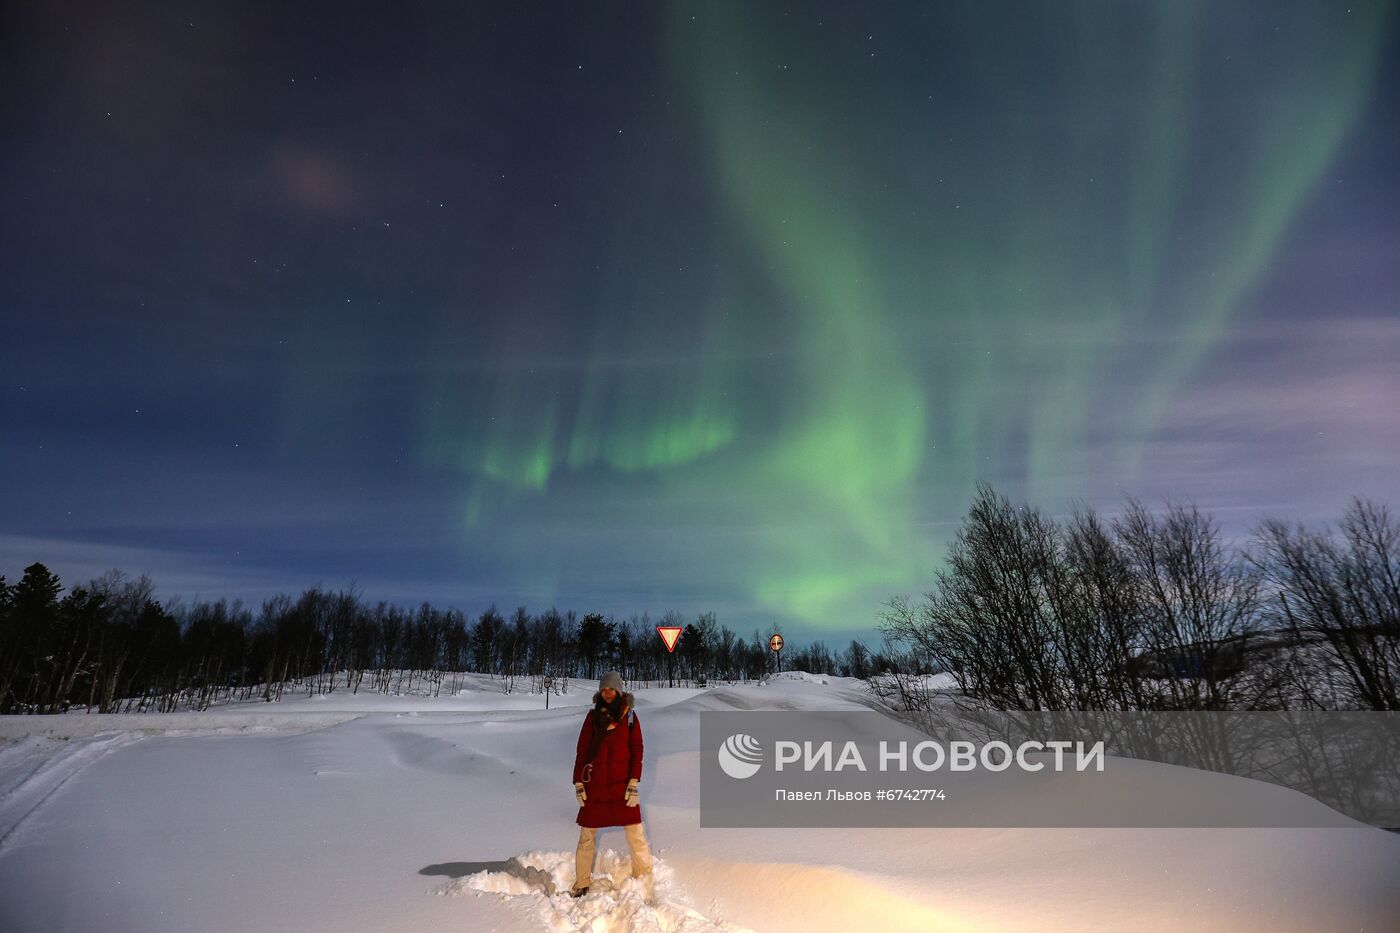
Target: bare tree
(1338, 595)
(1027, 614)
(1200, 606)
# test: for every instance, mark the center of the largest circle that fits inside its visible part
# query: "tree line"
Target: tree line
(1155, 612)
(1142, 611)
(111, 646)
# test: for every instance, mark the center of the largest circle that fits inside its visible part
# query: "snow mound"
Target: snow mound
(890, 686)
(802, 676)
(616, 902)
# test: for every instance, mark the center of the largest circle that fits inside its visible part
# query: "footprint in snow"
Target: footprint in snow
(615, 902)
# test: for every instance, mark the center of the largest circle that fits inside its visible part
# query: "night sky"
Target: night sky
(721, 306)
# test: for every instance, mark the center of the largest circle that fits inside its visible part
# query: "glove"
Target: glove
(632, 798)
(580, 793)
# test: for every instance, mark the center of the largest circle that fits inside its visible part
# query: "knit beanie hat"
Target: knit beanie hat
(611, 679)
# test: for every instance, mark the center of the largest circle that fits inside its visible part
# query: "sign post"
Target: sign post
(776, 644)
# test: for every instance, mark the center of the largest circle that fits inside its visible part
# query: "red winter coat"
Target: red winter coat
(619, 760)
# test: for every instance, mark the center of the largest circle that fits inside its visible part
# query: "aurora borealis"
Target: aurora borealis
(720, 306)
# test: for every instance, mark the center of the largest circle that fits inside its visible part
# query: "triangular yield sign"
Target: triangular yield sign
(670, 634)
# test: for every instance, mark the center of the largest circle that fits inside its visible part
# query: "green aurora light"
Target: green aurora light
(941, 229)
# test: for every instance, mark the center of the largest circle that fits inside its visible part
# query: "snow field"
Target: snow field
(371, 812)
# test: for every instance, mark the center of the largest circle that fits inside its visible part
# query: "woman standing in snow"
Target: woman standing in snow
(607, 767)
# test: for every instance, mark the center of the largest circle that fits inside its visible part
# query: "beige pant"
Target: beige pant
(587, 844)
